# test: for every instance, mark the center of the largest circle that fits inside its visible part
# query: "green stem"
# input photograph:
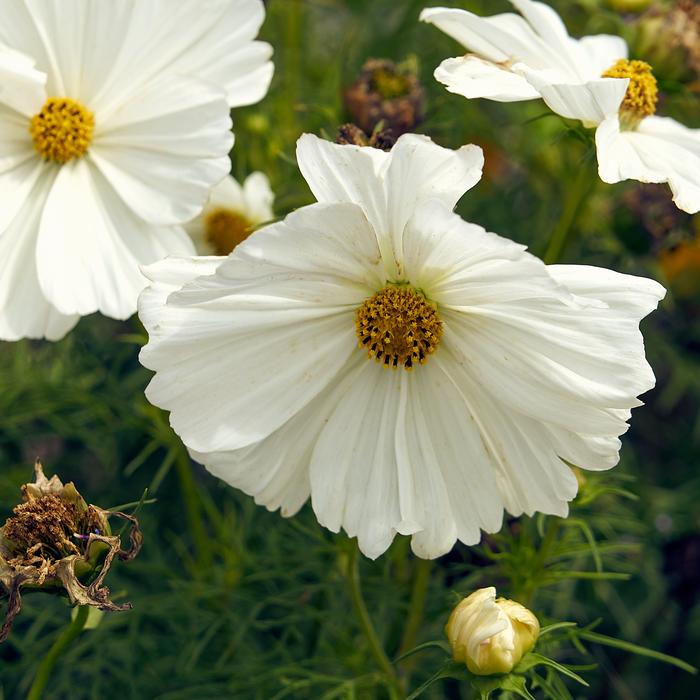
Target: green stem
(193, 509)
(417, 605)
(366, 625)
(578, 191)
(57, 648)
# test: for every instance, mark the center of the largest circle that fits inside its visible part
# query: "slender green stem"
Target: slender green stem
(193, 509)
(579, 189)
(417, 605)
(62, 642)
(366, 625)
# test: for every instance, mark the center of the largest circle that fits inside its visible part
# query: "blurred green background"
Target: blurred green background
(231, 601)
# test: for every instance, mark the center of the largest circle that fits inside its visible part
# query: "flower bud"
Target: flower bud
(491, 634)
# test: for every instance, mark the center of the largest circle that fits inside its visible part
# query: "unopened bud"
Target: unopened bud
(491, 635)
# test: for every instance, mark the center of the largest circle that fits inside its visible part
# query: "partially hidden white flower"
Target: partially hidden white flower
(231, 214)
(114, 126)
(491, 635)
(284, 366)
(528, 56)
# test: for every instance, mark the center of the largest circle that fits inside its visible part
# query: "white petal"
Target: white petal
(590, 102)
(338, 173)
(240, 352)
(90, 246)
(388, 186)
(472, 77)
(420, 170)
(168, 276)
(530, 475)
(353, 466)
(24, 311)
(259, 198)
(602, 51)
(276, 470)
(659, 150)
(447, 484)
(22, 87)
(166, 148)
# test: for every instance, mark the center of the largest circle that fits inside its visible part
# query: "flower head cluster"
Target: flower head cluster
(411, 372)
(54, 540)
(115, 126)
(531, 55)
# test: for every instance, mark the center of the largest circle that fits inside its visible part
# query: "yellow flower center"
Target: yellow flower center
(398, 326)
(224, 229)
(63, 130)
(642, 92)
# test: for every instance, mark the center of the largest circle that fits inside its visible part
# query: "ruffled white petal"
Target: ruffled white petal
(389, 186)
(659, 150)
(471, 76)
(279, 312)
(24, 311)
(90, 245)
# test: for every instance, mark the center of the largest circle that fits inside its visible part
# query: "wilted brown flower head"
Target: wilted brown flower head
(388, 93)
(383, 139)
(53, 540)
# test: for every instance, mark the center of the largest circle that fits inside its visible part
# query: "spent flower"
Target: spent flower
(55, 541)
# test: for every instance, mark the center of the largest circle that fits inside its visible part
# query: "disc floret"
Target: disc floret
(642, 92)
(398, 327)
(63, 130)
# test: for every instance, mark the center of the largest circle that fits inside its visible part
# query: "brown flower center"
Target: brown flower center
(398, 326)
(642, 92)
(224, 229)
(63, 130)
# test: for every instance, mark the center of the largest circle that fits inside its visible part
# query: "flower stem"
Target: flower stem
(57, 648)
(193, 509)
(416, 607)
(366, 625)
(578, 191)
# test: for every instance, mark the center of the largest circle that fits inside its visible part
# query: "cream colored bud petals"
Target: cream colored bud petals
(489, 634)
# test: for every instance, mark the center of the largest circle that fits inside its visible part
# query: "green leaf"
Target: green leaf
(435, 644)
(532, 659)
(635, 649)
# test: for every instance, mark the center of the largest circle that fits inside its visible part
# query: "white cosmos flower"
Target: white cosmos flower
(266, 359)
(114, 126)
(232, 212)
(528, 56)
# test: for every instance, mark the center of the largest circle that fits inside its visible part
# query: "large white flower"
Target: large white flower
(231, 213)
(513, 58)
(285, 365)
(114, 126)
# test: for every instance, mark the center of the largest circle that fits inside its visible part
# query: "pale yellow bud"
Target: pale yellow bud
(489, 634)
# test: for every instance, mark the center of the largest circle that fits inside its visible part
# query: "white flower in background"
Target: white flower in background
(286, 366)
(514, 58)
(489, 634)
(231, 214)
(114, 126)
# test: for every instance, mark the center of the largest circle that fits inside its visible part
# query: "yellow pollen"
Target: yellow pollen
(63, 130)
(642, 92)
(398, 326)
(224, 229)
